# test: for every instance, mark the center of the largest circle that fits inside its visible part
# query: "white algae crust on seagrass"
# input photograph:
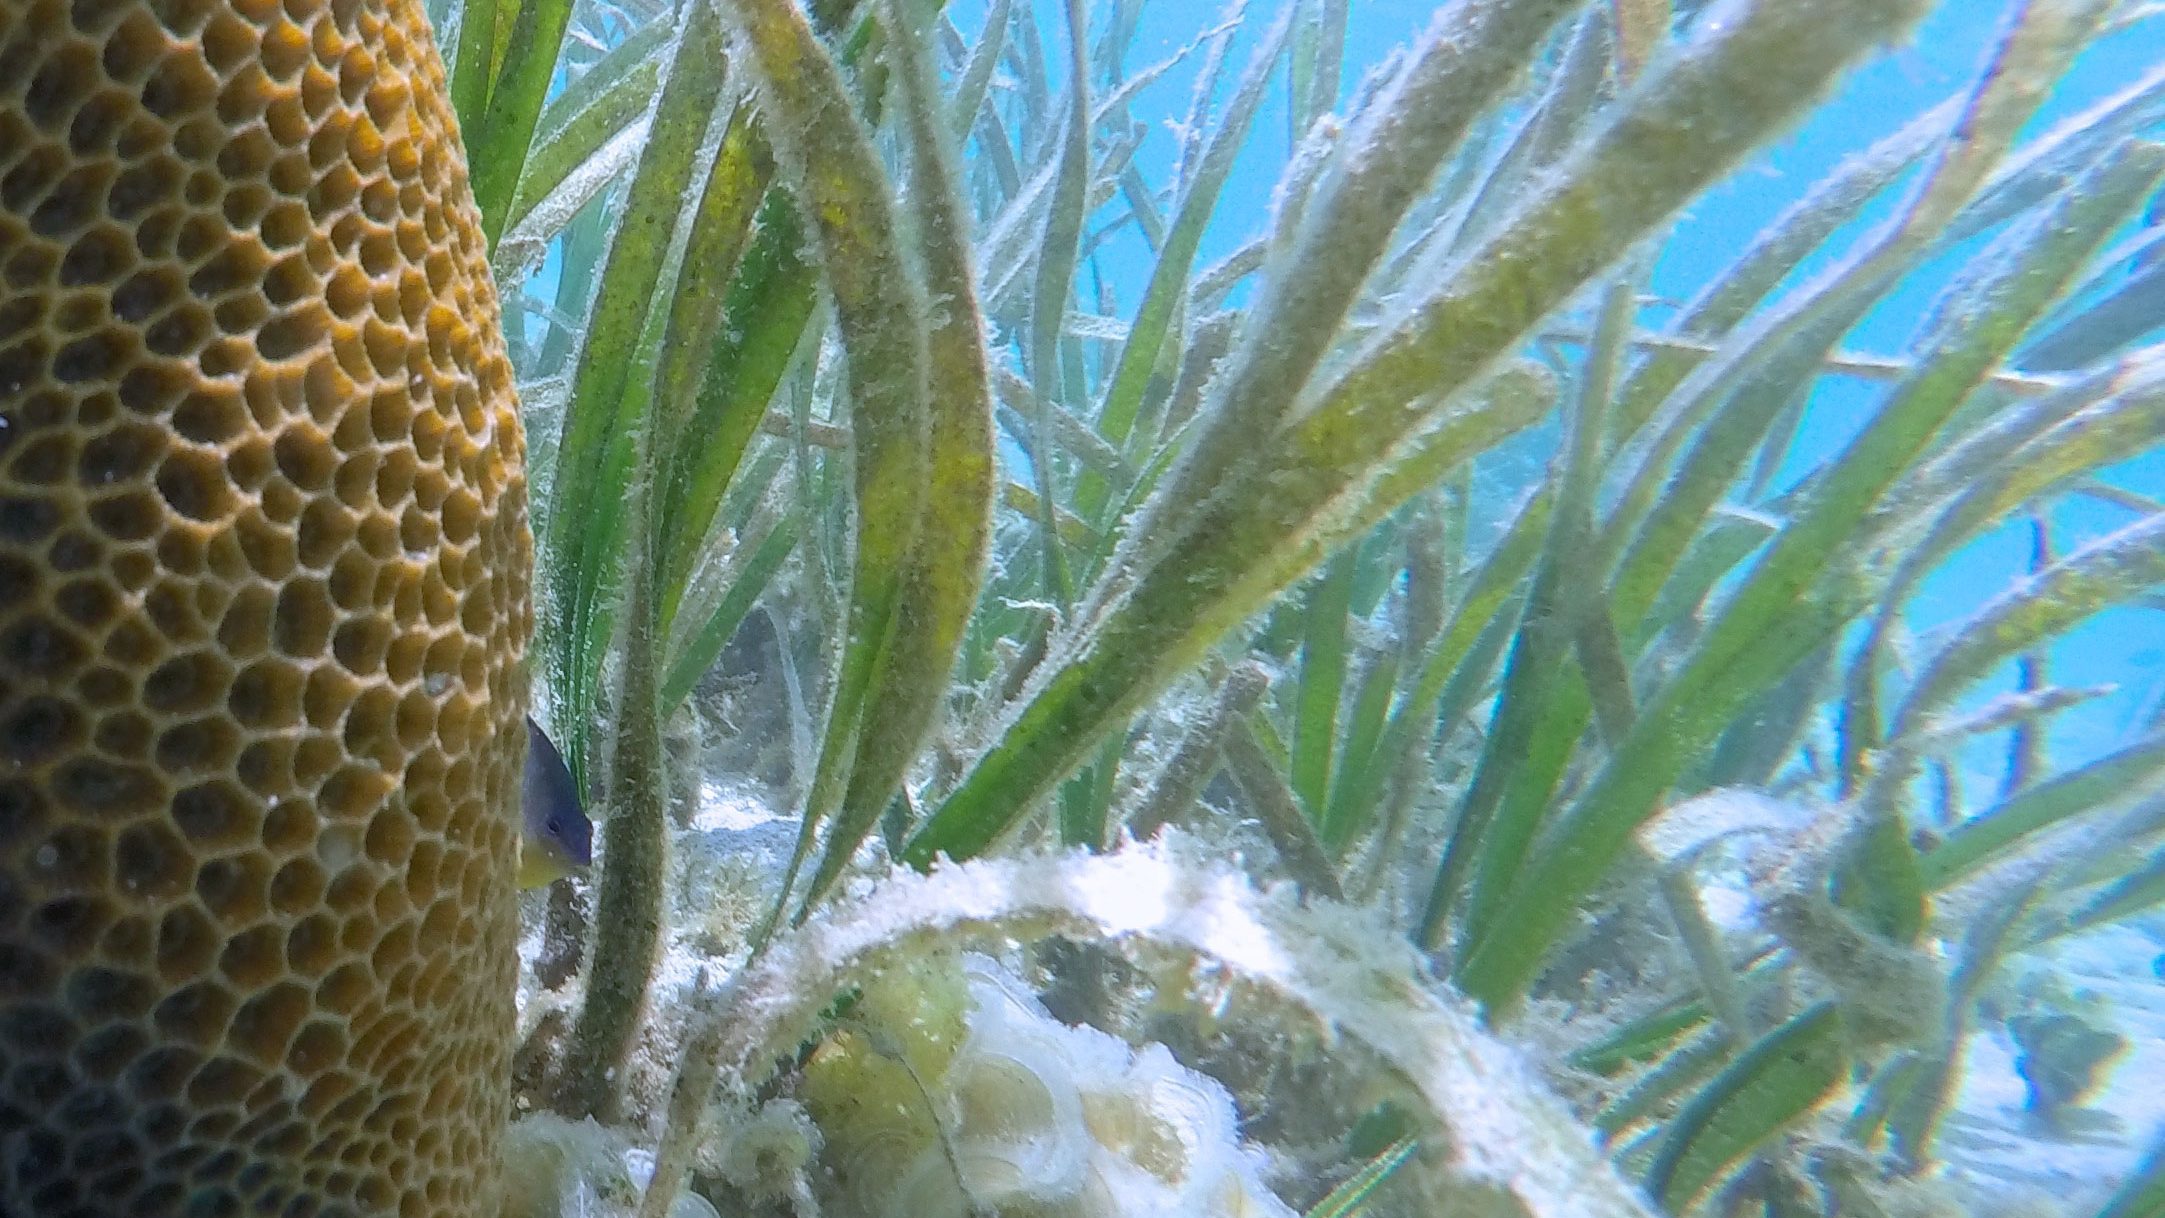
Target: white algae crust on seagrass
(264, 568)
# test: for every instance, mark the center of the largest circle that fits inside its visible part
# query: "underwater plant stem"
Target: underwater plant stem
(1878, 368)
(634, 870)
(879, 308)
(715, 258)
(1323, 663)
(1779, 1078)
(1181, 782)
(1288, 828)
(2026, 752)
(1397, 770)
(570, 141)
(1484, 848)
(1469, 55)
(1680, 895)
(1379, 768)
(503, 138)
(1606, 671)
(474, 57)
(945, 569)
(1051, 292)
(1166, 297)
(977, 75)
(1403, 785)
(1330, 59)
(1455, 666)
(1073, 434)
(563, 936)
(585, 532)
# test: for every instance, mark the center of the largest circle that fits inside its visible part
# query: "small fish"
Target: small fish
(556, 838)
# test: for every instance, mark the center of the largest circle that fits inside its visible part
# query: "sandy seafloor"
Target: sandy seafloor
(1992, 1146)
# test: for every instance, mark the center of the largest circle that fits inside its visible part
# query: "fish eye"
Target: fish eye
(555, 825)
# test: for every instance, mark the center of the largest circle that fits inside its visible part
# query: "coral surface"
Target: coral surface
(264, 568)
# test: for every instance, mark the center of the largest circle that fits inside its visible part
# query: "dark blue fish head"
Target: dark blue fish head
(557, 838)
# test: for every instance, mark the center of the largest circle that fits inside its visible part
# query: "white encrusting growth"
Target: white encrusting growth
(1505, 1138)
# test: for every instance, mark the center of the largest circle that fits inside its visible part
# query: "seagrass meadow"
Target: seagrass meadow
(1519, 608)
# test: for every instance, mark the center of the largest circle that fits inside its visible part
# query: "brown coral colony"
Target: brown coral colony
(264, 569)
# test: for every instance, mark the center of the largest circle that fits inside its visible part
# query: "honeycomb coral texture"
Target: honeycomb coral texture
(264, 568)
